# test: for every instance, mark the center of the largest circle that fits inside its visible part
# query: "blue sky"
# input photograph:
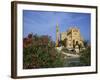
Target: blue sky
(44, 23)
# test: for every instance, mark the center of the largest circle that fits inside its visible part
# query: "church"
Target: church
(71, 38)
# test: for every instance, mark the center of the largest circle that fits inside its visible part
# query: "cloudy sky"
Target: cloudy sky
(44, 23)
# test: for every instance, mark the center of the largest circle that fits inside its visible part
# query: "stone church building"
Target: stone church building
(72, 38)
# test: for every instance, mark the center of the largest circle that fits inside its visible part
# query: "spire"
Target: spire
(57, 28)
(57, 35)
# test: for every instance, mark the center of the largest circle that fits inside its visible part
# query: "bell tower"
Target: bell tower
(57, 35)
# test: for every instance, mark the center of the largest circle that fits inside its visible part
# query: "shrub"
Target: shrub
(41, 54)
(85, 57)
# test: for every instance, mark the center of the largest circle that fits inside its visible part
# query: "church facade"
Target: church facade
(71, 38)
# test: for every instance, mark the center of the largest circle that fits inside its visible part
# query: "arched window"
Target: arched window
(76, 42)
(73, 41)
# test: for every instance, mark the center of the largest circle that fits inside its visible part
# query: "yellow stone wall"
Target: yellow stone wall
(72, 35)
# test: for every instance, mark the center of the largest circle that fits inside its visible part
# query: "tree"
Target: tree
(86, 42)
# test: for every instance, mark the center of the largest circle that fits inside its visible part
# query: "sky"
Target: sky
(44, 23)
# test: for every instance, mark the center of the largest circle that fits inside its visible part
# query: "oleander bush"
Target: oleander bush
(39, 52)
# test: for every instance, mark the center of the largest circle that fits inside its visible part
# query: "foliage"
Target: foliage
(40, 53)
(85, 57)
(86, 43)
